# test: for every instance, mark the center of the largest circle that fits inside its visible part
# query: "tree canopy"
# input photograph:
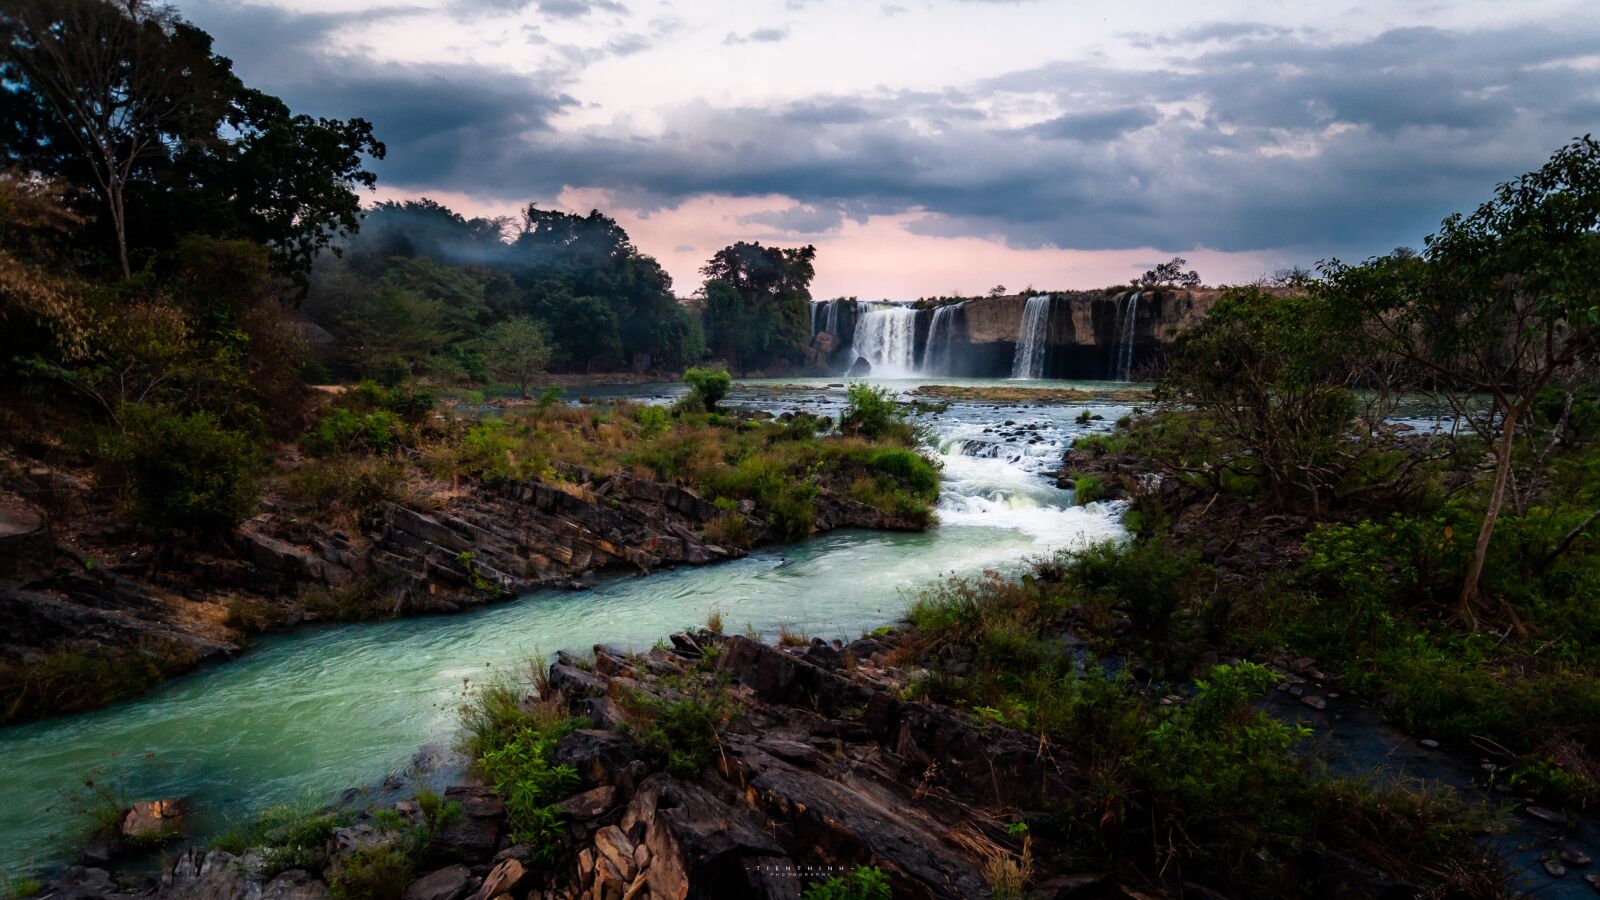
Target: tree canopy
(126, 102)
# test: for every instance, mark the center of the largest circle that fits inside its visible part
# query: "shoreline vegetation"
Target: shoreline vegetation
(372, 515)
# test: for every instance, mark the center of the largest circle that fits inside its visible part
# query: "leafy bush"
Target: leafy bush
(1151, 581)
(189, 472)
(707, 387)
(873, 413)
(372, 873)
(682, 734)
(342, 431)
(1087, 489)
(513, 750)
(865, 883)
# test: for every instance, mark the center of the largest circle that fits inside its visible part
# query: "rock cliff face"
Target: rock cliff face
(1088, 334)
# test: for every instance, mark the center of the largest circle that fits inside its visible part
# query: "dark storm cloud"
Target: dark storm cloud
(1096, 126)
(1247, 140)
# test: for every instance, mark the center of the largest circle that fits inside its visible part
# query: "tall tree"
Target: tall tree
(770, 319)
(127, 99)
(1502, 303)
(118, 79)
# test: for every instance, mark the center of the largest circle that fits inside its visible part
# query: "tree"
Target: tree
(1282, 380)
(1502, 303)
(1168, 275)
(397, 332)
(998, 290)
(708, 386)
(516, 351)
(119, 79)
(757, 301)
(33, 217)
(126, 97)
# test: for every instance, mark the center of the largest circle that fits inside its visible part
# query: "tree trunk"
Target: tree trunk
(119, 222)
(1470, 593)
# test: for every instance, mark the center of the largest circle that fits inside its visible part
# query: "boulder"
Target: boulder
(591, 804)
(503, 879)
(446, 884)
(699, 846)
(475, 836)
(154, 820)
(599, 757)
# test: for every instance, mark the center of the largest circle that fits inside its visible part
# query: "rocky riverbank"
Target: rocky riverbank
(823, 766)
(93, 611)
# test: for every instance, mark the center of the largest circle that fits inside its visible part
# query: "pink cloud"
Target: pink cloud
(878, 258)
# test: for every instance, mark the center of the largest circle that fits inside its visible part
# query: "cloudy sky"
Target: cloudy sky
(942, 146)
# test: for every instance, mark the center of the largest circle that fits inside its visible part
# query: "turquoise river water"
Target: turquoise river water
(304, 716)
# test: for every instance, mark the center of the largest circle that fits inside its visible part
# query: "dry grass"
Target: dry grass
(714, 621)
(792, 638)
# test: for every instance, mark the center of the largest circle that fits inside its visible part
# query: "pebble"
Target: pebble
(1574, 857)
(1546, 815)
(1556, 869)
(1313, 701)
(1430, 743)
(1594, 881)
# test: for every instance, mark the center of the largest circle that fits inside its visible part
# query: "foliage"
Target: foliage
(287, 836)
(707, 387)
(19, 887)
(189, 472)
(90, 94)
(372, 873)
(873, 413)
(516, 351)
(341, 431)
(1087, 489)
(66, 679)
(1199, 780)
(757, 302)
(864, 883)
(514, 750)
(1273, 377)
(682, 733)
(1499, 304)
(1166, 275)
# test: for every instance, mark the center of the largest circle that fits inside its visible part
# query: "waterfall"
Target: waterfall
(819, 311)
(1031, 338)
(937, 358)
(831, 323)
(887, 337)
(1125, 338)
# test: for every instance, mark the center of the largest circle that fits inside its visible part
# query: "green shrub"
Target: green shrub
(653, 420)
(372, 873)
(707, 386)
(514, 750)
(19, 887)
(1151, 580)
(190, 473)
(873, 413)
(865, 883)
(1087, 489)
(683, 733)
(409, 400)
(342, 431)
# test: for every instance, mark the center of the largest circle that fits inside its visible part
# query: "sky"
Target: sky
(946, 146)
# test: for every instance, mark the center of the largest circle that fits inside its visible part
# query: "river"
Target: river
(303, 716)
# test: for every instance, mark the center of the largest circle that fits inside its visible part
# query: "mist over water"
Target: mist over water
(306, 715)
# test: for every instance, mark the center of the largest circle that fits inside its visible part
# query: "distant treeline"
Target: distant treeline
(422, 291)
